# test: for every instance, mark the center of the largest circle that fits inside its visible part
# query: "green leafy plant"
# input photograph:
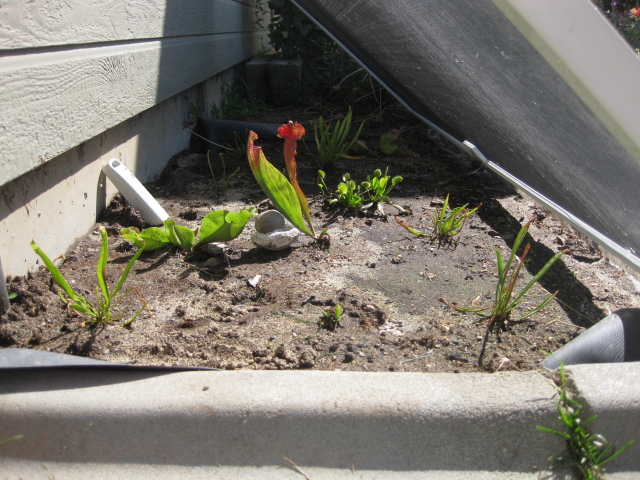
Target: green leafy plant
(505, 298)
(376, 189)
(331, 318)
(330, 75)
(585, 452)
(216, 226)
(347, 192)
(332, 141)
(389, 143)
(108, 299)
(286, 195)
(447, 222)
(369, 194)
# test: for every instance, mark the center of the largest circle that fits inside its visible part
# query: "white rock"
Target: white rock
(215, 248)
(269, 221)
(276, 240)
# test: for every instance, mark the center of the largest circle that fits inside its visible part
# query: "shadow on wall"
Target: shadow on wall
(19, 193)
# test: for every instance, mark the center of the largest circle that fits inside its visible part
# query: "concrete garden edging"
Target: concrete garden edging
(111, 423)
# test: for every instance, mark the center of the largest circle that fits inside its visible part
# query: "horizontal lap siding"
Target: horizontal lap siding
(69, 72)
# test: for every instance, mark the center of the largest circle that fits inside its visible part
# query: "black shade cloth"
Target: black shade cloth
(463, 67)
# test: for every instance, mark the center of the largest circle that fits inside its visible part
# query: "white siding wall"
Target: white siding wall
(71, 70)
(83, 81)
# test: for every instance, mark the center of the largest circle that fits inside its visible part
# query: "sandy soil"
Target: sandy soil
(206, 309)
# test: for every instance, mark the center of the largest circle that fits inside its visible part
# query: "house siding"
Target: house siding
(69, 72)
(82, 82)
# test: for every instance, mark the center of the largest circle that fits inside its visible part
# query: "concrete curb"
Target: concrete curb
(83, 423)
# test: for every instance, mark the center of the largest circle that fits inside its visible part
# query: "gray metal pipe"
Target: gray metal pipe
(614, 339)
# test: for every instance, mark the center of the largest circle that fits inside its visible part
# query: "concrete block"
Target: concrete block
(284, 75)
(256, 77)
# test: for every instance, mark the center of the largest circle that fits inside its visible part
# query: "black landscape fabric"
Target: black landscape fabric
(463, 67)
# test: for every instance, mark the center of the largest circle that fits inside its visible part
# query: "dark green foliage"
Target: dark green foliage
(329, 74)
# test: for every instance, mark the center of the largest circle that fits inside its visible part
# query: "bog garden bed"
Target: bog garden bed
(247, 308)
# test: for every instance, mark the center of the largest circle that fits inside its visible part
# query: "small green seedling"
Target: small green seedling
(331, 318)
(108, 299)
(216, 226)
(585, 452)
(447, 223)
(332, 143)
(347, 193)
(376, 189)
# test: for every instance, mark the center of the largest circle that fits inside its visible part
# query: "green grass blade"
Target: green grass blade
(550, 430)
(617, 453)
(102, 264)
(55, 273)
(15, 437)
(539, 275)
(126, 271)
(543, 304)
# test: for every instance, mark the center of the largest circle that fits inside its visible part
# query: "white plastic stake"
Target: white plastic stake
(135, 193)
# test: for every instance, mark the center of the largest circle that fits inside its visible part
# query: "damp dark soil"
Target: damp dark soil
(242, 307)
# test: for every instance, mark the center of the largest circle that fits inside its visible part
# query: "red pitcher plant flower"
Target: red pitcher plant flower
(280, 191)
(292, 132)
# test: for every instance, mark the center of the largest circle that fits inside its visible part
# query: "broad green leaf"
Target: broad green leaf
(223, 226)
(181, 236)
(152, 238)
(132, 235)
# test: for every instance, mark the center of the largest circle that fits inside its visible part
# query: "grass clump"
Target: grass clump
(331, 140)
(447, 222)
(100, 312)
(585, 452)
(506, 299)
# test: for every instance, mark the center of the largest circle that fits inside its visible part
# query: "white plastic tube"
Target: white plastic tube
(135, 193)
